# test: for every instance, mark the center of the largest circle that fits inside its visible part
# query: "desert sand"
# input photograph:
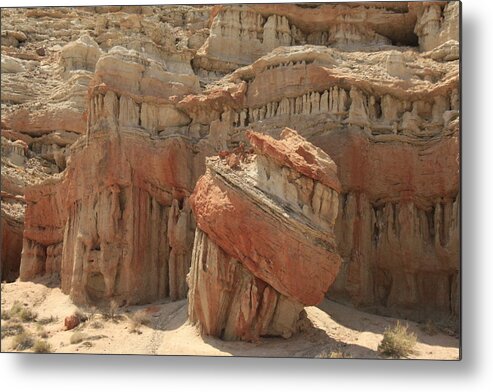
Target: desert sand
(333, 328)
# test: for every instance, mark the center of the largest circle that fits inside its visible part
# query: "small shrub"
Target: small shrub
(42, 333)
(11, 329)
(27, 315)
(397, 342)
(17, 310)
(92, 312)
(141, 318)
(138, 319)
(80, 315)
(6, 315)
(47, 320)
(97, 325)
(339, 354)
(42, 346)
(112, 312)
(333, 355)
(77, 337)
(23, 341)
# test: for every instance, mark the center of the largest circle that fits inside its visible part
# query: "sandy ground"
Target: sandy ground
(334, 329)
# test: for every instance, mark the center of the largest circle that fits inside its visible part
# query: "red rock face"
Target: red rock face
(341, 75)
(11, 248)
(122, 227)
(227, 301)
(400, 228)
(291, 264)
(293, 151)
(242, 220)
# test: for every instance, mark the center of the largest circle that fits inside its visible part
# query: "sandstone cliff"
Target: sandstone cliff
(129, 101)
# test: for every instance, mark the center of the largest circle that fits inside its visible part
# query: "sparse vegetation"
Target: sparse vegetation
(47, 320)
(112, 312)
(27, 315)
(97, 325)
(78, 337)
(19, 311)
(42, 333)
(92, 312)
(138, 319)
(397, 342)
(41, 347)
(328, 354)
(22, 342)
(11, 329)
(81, 315)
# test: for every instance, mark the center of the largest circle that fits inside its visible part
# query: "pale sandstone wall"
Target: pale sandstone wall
(374, 85)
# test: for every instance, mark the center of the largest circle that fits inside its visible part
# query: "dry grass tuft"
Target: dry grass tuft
(78, 337)
(112, 312)
(11, 329)
(42, 333)
(97, 325)
(333, 355)
(22, 342)
(47, 320)
(138, 319)
(397, 342)
(42, 347)
(19, 311)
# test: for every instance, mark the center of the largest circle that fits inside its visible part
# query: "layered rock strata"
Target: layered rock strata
(116, 223)
(375, 85)
(264, 246)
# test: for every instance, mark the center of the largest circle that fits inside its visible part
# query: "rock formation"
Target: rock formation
(120, 106)
(116, 223)
(264, 245)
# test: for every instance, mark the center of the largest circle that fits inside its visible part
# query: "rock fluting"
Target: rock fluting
(108, 109)
(264, 245)
(116, 225)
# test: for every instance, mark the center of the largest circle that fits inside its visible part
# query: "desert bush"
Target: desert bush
(80, 315)
(42, 333)
(138, 319)
(23, 341)
(333, 354)
(47, 320)
(112, 312)
(397, 342)
(141, 318)
(77, 337)
(19, 311)
(27, 315)
(41, 347)
(15, 308)
(92, 312)
(11, 329)
(97, 325)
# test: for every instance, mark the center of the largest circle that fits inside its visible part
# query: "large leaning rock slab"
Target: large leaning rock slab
(270, 221)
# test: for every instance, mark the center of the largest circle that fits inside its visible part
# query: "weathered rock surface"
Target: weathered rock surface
(116, 223)
(265, 242)
(375, 85)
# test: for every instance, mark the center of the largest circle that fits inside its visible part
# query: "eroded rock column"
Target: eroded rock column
(264, 246)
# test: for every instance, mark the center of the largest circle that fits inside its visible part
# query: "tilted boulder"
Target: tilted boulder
(264, 245)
